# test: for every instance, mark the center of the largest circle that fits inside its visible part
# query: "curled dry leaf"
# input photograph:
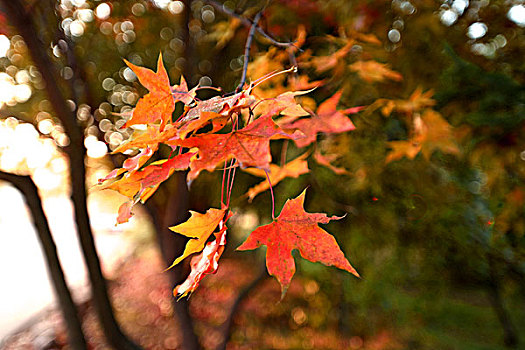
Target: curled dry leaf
(206, 262)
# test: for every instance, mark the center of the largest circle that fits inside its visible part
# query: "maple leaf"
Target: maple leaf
(205, 263)
(140, 139)
(134, 163)
(326, 160)
(285, 104)
(431, 132)
(198, 228)
(296, 229)
(324, 63)
(294, 168)
(416, 102)
(437, 134)
(327, 120)
(372, 71)
(250, 146)
(140, 185)
(218, 104)
(218, 120)
(158, 103)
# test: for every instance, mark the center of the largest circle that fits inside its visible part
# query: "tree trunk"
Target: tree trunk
(510, 336)
(30, 192)
(172, 245)
(76, 151)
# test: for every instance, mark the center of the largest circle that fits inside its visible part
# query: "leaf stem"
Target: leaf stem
(232, 180)
(222, 186)
(271, 191)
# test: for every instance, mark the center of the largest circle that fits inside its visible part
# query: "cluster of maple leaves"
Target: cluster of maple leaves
(231, 131)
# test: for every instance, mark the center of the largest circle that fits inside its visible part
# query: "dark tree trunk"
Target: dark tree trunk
(172, 245)
(76, 152)
(30, 192)
(510, 336)
(174, 212)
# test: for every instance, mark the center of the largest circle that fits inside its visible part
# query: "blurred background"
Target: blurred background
(431, 181)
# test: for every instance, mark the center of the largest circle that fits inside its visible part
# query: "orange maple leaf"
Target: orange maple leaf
(372, 71)
(326, 120)
(199, 227)
(250, 146)
(431, 132)
(284, 104)
(326, 161)
(218, 121)
(218, 104)
(296, 229)
(159, 102)
(324, 63)
(141, 184)
(294, 168)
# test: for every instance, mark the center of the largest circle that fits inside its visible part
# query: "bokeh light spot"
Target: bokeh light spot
(103, 11)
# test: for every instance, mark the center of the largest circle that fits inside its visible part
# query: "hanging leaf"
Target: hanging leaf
(296, 229)
(198, 228)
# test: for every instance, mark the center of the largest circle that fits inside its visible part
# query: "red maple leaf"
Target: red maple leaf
(296, 229)
(159, 102)
(140, 185)
(250, 146)
(327, 120)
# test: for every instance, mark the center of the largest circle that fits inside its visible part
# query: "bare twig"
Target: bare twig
(248, 23)
(247, 50)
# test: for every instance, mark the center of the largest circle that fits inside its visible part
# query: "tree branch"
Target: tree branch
(248, 23)
(247, 50)
(30, 192)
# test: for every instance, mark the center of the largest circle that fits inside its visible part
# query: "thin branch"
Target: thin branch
(248, 23)
(247, 50)
(29, 190)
